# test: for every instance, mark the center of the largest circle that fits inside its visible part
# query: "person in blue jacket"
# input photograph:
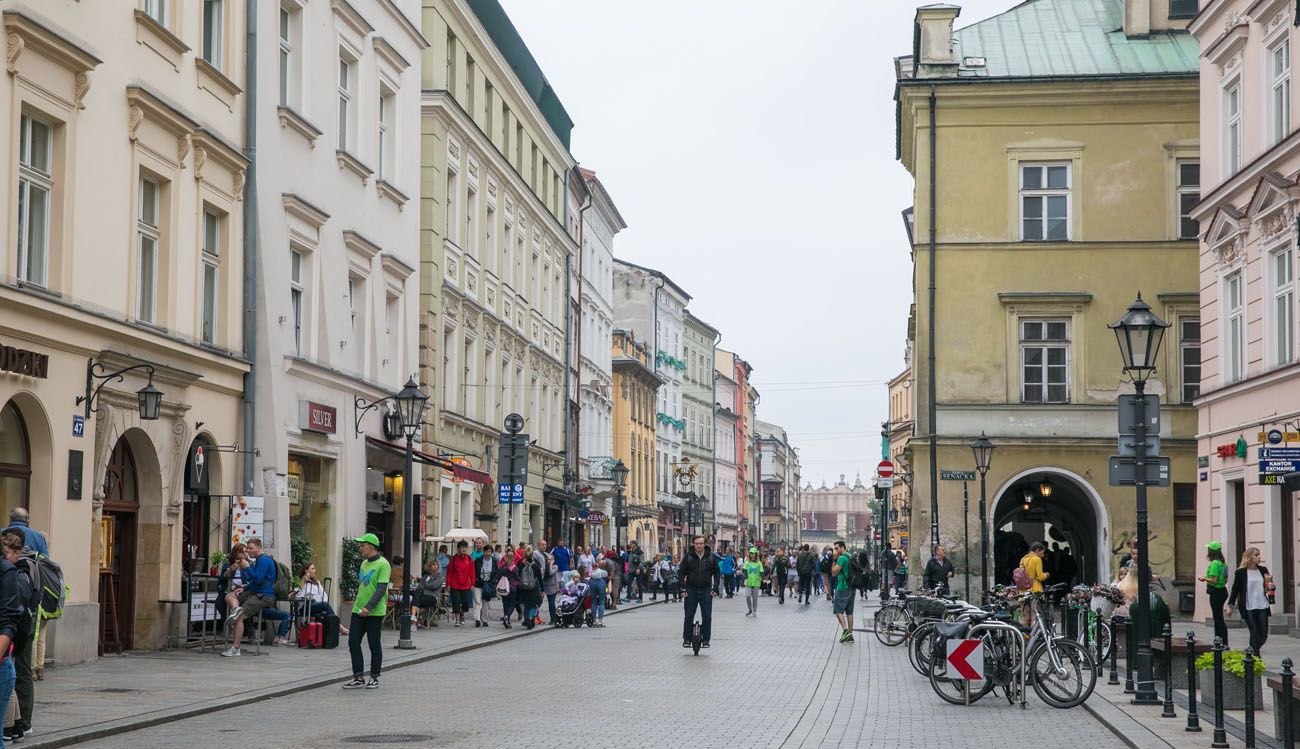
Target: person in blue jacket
(727, 566)
(257, 594)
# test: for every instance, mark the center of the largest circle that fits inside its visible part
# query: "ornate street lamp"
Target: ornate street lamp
(983, 452)
(619, 473)
(1045, 488)
(1139, 333)
(148, 398)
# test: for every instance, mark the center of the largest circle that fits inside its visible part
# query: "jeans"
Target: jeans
(729, 582)
(817, 583)
(702, 598)
(597, 599)
(780, 581)
(369, 628)
(508, 605)
(478, 608)
(7, 679)
(805, 586)
(24, 688)
(1219, 596)
(751, 599)
(283, 617)
(1257, 623)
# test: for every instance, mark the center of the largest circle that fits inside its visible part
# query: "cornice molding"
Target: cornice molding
(23, 30)
(354, 165)
(289, 118)
(299, 208)
(144, 103)
(389, 54)
(352, 18)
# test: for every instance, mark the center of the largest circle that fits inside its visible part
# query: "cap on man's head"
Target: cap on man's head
(369, 538)
(753, 550)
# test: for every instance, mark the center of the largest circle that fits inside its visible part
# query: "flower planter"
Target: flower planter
(1234, 690)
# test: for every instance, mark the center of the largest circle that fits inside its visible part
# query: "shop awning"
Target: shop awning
(458, 471)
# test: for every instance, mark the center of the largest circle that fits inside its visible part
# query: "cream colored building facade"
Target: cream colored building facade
(496, 256)
(898, 432)
(123, 201)
(338, 189)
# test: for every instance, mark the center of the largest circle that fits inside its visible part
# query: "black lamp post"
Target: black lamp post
(983, 450)
(1139, 333)
(410, 410)
(619, 472)
(148, 398)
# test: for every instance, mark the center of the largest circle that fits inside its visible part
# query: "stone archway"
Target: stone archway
(29, 416)
(1072, 516)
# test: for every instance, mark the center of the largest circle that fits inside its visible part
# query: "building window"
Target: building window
(1044, 361)
(1234, 305)
(1189, 194)
(35, 188)
(490, 239)
(1279, 68)
(211, 262)
(1282, 264)
(157, 10)
(471, 231)
(212, 31)
(451, 216)
(1182, 8)
(295, 297)
(346, 85)
(1189, 356)
(386, 139)
(353, 292)
(1185, 548)
(1232, 128)
(288, 32)
(148, 239)
(1045, 202)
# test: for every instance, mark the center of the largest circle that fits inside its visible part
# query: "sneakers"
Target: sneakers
(705, 644)
(15, 735)
(232, 652)
(372, 683)
(356, 683)
(234, 613)
(477, 624)
(282, 641)
(686, 643)
(846, 636)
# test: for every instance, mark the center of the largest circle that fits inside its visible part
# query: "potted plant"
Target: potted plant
(216, 558)
(1234, 680)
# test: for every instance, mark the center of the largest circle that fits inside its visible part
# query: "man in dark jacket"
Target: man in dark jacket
(699, 565)
(938, 571)
(888, 563)
(781, 574)
(803, 566)
(635, 560)
(13, 613)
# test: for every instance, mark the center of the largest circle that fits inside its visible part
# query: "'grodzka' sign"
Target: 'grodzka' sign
(23, 362)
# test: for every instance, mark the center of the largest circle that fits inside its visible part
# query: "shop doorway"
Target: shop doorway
(196, 514)
(15, 460)
(117, 568)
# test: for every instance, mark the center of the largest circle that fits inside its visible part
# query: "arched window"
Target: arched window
(15, 460)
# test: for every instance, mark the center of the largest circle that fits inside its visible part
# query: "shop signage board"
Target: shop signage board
(246, 518)
(316, 417)
(22, 362)
(1277, 462)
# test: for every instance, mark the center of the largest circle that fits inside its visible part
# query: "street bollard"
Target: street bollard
(1130, 655)
(1168, 711)
(1288, 733)
(1193, 718)
(1220, 738)
(1114, 656)
(1251, 681)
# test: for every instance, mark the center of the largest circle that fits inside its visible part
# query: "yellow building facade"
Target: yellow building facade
(1061, 185)
(635, 386)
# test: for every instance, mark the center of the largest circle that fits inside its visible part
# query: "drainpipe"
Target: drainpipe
(713, 431)
(933, 387)
(250, 239)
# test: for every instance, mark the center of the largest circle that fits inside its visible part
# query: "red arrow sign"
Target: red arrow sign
(967, 658)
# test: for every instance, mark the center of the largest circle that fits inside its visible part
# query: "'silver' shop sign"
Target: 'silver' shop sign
(23, 362)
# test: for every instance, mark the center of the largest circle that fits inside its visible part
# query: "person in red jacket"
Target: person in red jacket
(460, 581)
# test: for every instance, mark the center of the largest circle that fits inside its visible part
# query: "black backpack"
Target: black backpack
(826, 565)
(856, 578)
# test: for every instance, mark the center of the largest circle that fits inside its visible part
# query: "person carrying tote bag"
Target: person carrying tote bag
(1252, 590)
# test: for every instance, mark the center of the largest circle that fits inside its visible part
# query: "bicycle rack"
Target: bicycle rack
(1013, 635)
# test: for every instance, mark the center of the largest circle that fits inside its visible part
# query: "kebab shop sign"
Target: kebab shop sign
(246, 514)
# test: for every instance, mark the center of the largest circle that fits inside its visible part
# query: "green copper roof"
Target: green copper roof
(1049, 38)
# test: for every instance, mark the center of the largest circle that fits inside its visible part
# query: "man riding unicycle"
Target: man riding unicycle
(698, 567)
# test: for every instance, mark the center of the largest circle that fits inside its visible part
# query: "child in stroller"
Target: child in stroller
(573, 605)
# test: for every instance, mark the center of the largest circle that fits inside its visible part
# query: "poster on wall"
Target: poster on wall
(246, 518)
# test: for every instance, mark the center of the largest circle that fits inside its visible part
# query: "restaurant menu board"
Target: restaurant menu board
(246, 515)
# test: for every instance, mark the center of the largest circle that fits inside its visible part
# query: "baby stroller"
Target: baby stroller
(574, 608)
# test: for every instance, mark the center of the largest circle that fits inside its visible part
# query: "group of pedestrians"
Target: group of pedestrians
(22, 654)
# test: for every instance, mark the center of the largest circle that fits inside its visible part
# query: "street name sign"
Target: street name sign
(966, 657)
(1123, 471)
(957, 475)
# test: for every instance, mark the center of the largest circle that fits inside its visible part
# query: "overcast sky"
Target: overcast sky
(749, 144)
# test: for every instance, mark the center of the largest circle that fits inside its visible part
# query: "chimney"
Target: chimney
(1137, 19)
(932, 50)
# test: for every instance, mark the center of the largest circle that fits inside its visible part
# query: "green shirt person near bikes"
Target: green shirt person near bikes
(753, 571)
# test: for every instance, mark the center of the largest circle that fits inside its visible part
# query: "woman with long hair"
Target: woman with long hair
(1216, 587)
(314, 596)
(507, 570)
(1251, 586)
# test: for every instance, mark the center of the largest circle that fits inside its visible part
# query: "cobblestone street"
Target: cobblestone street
(778, 680)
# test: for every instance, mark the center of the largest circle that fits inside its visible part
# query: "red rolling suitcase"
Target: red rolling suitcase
(311, 635)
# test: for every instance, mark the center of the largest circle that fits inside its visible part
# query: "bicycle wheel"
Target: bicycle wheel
(1104, 641)
(951, 689)
(892, 625)
(920, 650)
(1069, 686)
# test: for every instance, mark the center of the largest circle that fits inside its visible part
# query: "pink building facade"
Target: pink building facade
(1248, 402)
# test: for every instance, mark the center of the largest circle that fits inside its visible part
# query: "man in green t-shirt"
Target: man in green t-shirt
(843, 605)
(368, 612)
